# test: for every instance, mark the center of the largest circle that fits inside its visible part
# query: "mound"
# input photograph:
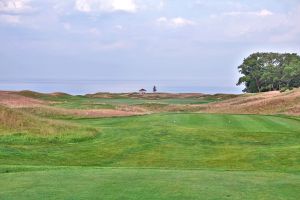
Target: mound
(31, 94)
(12, 121)
(20, 99)
(60, 94)
(273, 102)
(57, 113)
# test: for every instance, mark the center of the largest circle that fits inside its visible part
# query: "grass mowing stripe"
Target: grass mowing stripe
(170, 140)
(87, 183)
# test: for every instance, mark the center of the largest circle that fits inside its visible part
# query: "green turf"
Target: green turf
(216, 156)
(85, 102)
(238, 142)
(110, 183)
(115, 100)
(97, 103)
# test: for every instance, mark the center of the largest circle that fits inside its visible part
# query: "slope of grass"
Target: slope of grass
(274, 102)
(17, 126)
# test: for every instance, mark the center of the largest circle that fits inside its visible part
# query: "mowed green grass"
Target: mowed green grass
(101, 103)
(119, 183)
(161, 156)
(84, 102)
(231, 142)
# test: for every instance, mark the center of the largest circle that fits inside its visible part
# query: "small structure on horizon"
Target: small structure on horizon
(142, 91)
(154, 89)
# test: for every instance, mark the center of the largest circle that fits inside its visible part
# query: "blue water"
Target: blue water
(77, 87)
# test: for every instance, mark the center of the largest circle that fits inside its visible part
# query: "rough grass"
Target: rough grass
(110, 100)
(263, 103)
(17, 125)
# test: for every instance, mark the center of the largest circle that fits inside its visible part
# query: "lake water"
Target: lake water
(93, 86)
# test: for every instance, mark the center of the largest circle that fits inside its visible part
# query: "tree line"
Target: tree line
(270, 71)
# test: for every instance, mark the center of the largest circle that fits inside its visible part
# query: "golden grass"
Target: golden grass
(17, 100)
(273, 102)
(263, 103)
(18, 121)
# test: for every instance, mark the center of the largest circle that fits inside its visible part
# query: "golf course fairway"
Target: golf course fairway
(159, 156)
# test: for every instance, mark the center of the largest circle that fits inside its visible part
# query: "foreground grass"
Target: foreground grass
(203, 141)
(160, 156)
(122, 183)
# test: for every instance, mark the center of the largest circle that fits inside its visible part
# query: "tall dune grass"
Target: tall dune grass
(25, 126)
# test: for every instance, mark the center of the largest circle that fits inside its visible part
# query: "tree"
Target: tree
(252, 70)
(269, 71)
(291, 73)
(154, 89)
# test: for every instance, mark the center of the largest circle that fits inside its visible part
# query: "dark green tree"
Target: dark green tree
(291, 73)
(269, 71)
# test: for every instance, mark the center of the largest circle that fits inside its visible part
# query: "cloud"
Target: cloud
(151, 5)
(261, 13)
(175, 22)
(289, 28)
(10, 19)
(89, 6)
(264, 13)
(262, 26)
(94, 31)
(14, 6)
(11, 11)
(67, 26)
(119, 27)
(162, 20)
(161, 4)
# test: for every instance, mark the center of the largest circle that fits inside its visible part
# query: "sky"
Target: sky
(188, 41)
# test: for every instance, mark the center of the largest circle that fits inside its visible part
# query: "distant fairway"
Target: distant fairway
(160, 156)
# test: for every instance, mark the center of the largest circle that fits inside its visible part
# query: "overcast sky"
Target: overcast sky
(203, 40)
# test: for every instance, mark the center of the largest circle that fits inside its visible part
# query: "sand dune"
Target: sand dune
(273, 102)
(15, 100)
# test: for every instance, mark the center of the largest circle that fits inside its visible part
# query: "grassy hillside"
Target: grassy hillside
(263, 103)
(17, 125)
(112, 101)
